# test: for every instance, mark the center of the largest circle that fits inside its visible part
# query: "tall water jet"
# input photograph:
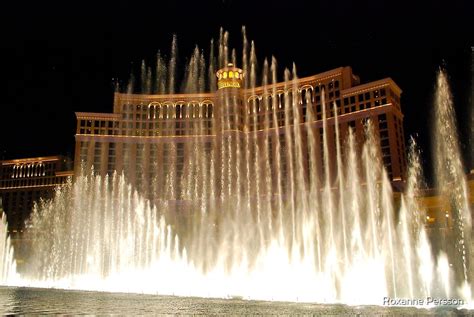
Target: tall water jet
(160, 74)
(450, 175)
(471, 126)
(7, 261)
(172, 66)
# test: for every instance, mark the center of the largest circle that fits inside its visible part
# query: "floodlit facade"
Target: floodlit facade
(145, 134)
(24, 181)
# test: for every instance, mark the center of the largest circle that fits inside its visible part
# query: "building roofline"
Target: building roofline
(98, 115)
(301, 81)
(164, 97)
(370, 85)
(64, 173)
(200, 96)
(32, 160)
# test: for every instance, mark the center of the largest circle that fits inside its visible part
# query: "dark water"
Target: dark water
(48, 301)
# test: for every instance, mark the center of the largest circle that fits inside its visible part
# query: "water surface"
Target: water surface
(52, 301)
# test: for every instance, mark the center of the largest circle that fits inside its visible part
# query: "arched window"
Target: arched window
(266, 102)
(178, 111)
(195, 111)
(279, 99)
(152, 106)
(187, 111)
(306, 94)
(210, 111)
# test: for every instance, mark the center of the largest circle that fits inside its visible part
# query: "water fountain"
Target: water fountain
(7, 262)
(252, 232)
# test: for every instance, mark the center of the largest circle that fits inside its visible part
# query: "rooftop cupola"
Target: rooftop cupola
(229, 77)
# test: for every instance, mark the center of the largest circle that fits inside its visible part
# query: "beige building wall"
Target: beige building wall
(152, 126)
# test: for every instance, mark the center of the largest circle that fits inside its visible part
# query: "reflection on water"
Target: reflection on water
(50, 301)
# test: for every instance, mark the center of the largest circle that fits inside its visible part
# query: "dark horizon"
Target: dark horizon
(57, 60)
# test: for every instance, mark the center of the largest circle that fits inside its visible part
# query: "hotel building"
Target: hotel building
(146, 133)
(24, 181)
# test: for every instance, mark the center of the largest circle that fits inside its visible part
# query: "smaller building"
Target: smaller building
(440, 223)
(437, 208)
(24, 181)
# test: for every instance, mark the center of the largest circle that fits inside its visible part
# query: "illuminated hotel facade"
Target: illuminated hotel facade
(144, 131)
(24, 181)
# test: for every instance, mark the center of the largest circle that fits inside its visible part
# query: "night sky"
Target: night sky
(58, 57)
